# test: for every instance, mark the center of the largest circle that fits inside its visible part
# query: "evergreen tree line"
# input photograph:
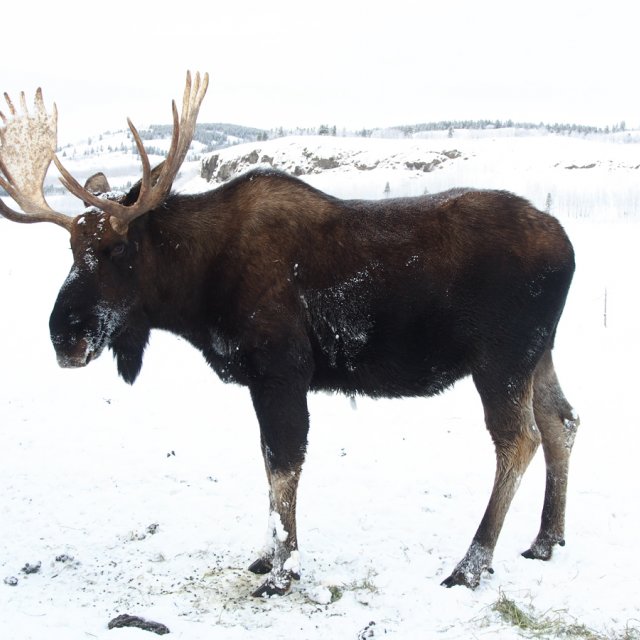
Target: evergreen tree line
(560, 128)
(213, 135)
(447, 125)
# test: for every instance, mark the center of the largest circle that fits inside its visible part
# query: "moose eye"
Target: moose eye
(118, 250)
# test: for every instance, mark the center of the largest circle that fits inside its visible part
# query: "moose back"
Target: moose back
(285, 289)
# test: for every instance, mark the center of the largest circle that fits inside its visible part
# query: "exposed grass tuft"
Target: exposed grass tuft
(554, 626)
(336, 593)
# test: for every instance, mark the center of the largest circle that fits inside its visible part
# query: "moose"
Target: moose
(287, 290)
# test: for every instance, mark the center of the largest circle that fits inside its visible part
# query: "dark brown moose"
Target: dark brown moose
(285, 289)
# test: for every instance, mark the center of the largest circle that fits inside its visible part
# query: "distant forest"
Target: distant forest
(214, 135)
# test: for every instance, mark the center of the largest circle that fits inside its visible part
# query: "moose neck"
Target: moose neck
(181, 245)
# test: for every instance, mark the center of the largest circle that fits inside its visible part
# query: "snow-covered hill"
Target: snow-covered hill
(573, 176)
(306, 155)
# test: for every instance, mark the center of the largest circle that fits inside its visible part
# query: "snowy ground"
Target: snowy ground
(390, 495)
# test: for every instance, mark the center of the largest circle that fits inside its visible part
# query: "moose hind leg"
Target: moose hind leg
(510, 421)
(558, 423)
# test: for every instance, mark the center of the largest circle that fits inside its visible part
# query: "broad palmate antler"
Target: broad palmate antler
(28, 144)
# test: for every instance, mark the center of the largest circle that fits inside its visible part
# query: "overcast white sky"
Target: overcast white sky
(354, 64)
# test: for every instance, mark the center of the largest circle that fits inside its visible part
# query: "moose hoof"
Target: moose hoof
(530, 554)
(542, 549)
(278, 583)
(469, 579)
(261, 566)
(272, 588)
(469, 570)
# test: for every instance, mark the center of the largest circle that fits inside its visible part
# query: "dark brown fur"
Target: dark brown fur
(286, 289)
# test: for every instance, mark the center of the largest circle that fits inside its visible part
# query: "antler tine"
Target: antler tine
(144, 158)
(23, 102)
(176, 153)
(27, 145)
(152, 195)
(192, 99)
(12, 109)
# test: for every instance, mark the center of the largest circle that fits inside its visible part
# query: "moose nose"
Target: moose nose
(78, 356)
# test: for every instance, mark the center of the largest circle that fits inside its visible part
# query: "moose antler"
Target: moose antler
(27, 145)
(152, 191)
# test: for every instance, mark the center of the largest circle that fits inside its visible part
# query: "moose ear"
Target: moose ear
(97, 184)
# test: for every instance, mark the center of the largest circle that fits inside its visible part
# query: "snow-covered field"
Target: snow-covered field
(151, 500)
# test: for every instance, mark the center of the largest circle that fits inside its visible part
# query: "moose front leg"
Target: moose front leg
(284, 424)
(280, 558)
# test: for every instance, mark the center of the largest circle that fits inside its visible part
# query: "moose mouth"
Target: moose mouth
(85, 351)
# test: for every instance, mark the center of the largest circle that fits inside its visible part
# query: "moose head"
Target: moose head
(99, 303)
